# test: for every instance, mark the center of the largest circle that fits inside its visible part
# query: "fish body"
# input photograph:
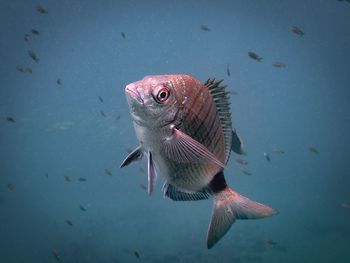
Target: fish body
(82, 208)
(82, 179)
(185, 130)
(10, 119)
(278, 150)
(205, 28)
(108, 172)
(24, 69)
(297, 31)
(123, 35)
(41, 9)
(59, 82)
(241, 161)
(56, 255)
(35, 32)
(68, 222)
(267, 157)
(313, 150)
(100, 98)
(228, 70)
(137, 255)
(33, 55)
(67, 178)
(254, 56)
(277, 64)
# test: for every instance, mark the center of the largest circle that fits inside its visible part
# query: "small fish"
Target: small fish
(297, 31)
(35, 32)
(108, 172)
(82, 179)
(82, 208)
(24, 69)
(137, 255)
(47, 175)
(41, 9)
(123, 35)
(11, 186)
(189, 145)
(27, 37)
(254, 56)
(278, 150)
(347, 1)
(277, 64)
(267, 157)
(205, 28)
(246, 172)
(270, 242)
(241, 161)
(33, 55)
(10, 119)
(68, 222)
(118, 117)
(56, 255)
(228, 70)
(67, 178)
(313, 150)
(143, 186)
(103, 113)
(59, 82)
(100, 98)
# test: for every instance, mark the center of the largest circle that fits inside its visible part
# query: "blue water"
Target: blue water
(59, 130)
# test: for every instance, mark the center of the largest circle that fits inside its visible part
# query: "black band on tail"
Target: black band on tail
(218, 183)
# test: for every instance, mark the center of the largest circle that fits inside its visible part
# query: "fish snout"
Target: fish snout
(133, 93)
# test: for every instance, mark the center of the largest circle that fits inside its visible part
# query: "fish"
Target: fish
(254, 56)
(297, 31)
(205, 28)
(41, 9)
(277, 64)
(35, 32)
(347, 1)
(313, 150)
(27, 37)
(123, 35)
(67, 178)
(68, 222)
(10, 119)
(82, 179)
(108, 172)
(137, 255)
(277, 150)
(270, 242)
(241, 161)
(24, 69)
(267, 156)
(228, 70)
(59, 82)
(82, 208)
(56, 255)
(118, 117)
(33, 55)
(142, 186)
(189, 144)
(100, 98)
(47, 175)
(11, 187)
(245, 171)
(103, 113)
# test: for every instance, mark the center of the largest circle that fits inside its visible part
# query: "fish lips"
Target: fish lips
(133, 94)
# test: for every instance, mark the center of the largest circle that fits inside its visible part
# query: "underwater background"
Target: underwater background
(65, 128)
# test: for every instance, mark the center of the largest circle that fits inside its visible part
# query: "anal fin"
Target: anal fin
(175, 194)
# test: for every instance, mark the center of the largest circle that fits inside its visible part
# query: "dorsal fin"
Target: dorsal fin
(222, 103)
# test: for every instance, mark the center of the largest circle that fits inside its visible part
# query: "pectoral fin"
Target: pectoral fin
(183, 149)
(151, 174)
(133, 156)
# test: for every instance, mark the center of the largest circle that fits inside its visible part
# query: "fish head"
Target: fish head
(152, 100)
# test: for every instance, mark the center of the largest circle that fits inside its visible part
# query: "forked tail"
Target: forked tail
(229, 206)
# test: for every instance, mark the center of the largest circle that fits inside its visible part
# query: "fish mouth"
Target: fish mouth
(134, 93)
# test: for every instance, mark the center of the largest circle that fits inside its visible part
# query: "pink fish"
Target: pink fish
(185, 131)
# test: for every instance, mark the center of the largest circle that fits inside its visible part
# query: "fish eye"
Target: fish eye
(163, 94)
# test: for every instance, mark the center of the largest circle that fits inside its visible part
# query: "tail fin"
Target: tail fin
(229, 206)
